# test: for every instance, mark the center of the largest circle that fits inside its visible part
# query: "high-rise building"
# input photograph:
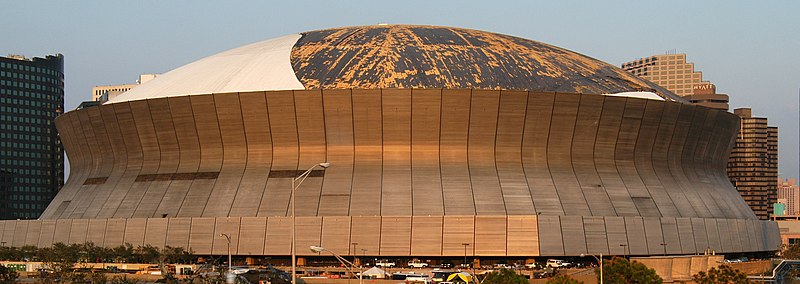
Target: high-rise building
(31, 155)
(753, 163)
(706, 95)
(670, 71)
(105, 93)
(790, 192)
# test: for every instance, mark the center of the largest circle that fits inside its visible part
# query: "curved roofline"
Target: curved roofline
(338, 58)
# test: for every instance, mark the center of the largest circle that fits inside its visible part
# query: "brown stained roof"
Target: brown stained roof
(404, 56)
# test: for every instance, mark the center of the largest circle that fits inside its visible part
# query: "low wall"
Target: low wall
(680, 268)
(753, 267)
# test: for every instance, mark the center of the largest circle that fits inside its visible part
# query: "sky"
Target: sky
(748, 49)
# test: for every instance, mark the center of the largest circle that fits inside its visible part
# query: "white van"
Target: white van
(557, 263)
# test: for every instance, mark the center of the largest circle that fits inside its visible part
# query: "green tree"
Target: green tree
(620, 270)
(8, 275)
(121, 280)
(722, 274)
(123, 253)
(58, 261)
(504, 276)
(791, 251)
(563, 279)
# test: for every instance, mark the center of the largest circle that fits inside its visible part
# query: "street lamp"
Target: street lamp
(665, 248)
(347, 264)
(228, 238)
(465, 252)
(296, 182)
(600, 260)
(624, 250)
(355, 256)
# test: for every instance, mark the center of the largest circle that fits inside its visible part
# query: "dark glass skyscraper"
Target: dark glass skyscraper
(31, 155)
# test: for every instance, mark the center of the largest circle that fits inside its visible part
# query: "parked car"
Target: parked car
(546, 273)
(417, 264)
(446, 265)
(385, 263)
(558, 263)
(502, 266)
(533, 265)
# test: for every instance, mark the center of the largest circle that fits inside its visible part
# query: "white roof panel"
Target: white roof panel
(640, 95)
(261, 66)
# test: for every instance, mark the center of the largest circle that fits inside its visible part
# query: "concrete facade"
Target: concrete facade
(414, 172)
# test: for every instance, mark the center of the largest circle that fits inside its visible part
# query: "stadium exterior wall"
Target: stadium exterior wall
(414, 172)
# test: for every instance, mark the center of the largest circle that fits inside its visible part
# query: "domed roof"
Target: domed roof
(397, 56)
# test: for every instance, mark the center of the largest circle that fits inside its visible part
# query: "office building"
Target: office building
(670, 71)
(31, 155)
(790, 193)
(105, 93)
(436, 137)
(706, 95)
(753, 163)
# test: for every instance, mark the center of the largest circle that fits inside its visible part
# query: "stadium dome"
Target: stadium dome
(436, 137)
(397, 56)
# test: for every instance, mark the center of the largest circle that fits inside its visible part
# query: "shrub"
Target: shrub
(722, 274)
(620, 270)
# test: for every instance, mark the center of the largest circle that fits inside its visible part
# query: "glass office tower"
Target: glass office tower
(31, 155)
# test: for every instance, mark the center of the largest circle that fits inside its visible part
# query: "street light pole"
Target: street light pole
(624, 250)
(230, 263)
(665, 248)
(465, 252)
(228, 238)
(600, 260)
(347, 264)
(296, 182)
(355, 255)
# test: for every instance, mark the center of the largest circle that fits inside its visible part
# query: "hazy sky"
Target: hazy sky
(749, 49)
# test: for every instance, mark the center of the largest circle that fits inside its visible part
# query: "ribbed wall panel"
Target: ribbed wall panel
(559, 156)
(46, 233)
(454, 132)
(283, 128)
(426, 235)
(255, 121)
(252, 235)
(156, 232)
(396, 198)
(336, 194)
(234, 156)
(508, 154)
(368, 164)
(311, 140)
(426, 180)
(32, 233)
(97, 231)
(583, 140)
(115, 233)
(336, 236)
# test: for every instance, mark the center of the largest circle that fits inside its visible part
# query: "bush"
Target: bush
(8, 275)
(563, 279)
(620, 270)
(722, 274)
(504, 276)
